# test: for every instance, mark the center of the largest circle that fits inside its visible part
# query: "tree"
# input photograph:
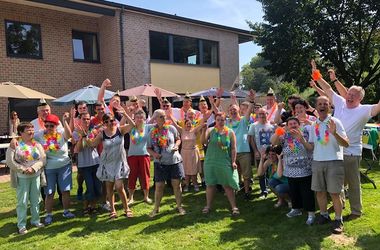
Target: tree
(255, 76)
(343, 34)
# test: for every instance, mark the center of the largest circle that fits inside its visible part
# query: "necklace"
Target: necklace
(160, 138)
(234, 123)
(219, 135)
(30, 152)
(325, 140)
(252, 118)
(137, 134)
(293, 143)
(51, 142)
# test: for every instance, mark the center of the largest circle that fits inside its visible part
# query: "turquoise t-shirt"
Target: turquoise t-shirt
(56, 149)
(138, 142)
(240, 129)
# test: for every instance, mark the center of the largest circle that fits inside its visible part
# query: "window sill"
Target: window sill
(84, 61)
(184, 64)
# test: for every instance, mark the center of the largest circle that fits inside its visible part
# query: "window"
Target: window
(23, 39)
(210, 53)
(159, 46)
(85, 47)
(184, 50)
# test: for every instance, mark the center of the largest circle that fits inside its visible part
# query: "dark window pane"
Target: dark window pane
(85, 46)
(23, 39)
(185, 50)
(210, 53)
(159, 46)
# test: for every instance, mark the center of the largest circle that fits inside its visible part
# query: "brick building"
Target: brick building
(60, 46)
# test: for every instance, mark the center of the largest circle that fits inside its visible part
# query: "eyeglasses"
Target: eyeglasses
(165, 106)
(110, 120)
(49, 125)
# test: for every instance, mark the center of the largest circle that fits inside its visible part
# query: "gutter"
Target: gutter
(121, 25)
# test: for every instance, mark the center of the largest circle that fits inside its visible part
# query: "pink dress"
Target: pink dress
(190, 153)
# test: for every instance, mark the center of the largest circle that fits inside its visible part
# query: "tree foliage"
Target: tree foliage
(343, 34)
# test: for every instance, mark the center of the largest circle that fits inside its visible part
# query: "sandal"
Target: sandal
(181, 211)
(235, 211)
(206, 210)
(112, 215)
(128, 213)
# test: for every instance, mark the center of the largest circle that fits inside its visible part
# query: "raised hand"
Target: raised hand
(73, 111)
(252, 95)
(332, 75)
(158, 93)
(219, 92)
(296, 133)
(66, 116)
(331, 126)
(106, 83)
(211, 99)
(312, 84)
(281, 105)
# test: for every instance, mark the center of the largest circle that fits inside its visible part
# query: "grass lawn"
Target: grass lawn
(259, 226)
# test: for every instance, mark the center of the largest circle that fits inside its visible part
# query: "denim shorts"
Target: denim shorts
(62, 176)
(168, 172)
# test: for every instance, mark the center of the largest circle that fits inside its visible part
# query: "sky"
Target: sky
(233, 13)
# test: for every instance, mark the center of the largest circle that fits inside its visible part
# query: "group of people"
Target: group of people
(299, 153)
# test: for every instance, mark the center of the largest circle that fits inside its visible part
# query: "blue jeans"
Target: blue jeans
(278, 187)
(93, 184)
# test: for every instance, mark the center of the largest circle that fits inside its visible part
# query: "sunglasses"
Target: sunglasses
(14, 114)
(165, 106)
(49, 125)
(161, 116)
(110, 120)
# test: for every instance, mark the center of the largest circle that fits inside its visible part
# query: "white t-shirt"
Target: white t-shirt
(37, 126)
(271, 112)
(353, 121)
(330, 151)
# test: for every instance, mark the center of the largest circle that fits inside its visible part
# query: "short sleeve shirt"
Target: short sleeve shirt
(240, 129)
(261, 134)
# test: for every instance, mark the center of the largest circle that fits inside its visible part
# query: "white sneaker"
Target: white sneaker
(310, 220)
(294, 213)
(107, 206)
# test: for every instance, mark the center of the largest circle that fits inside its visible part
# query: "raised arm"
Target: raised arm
(280, 167)
(67, 130)
(375, 110)
(214, 108)
(277, 116)
(342, 140)
(316, 88)
(317, 76)
(342, 90)
(159, 97)
(96, 141)
(251, 99)
(106, 83)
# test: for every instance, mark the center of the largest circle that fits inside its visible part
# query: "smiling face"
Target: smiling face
(99, 110)
(85, 120)
(293, 124)
(219, 120)
(233, 111)
(270, 100)
(50, 127)
(186, 104)
(272, 156)
(139, 119)
(243, 109)
(262, 116)
(188, 125)
(27, 134)
(354, 97)
(82, 108)
(43, 111)
(203, 106)
(323, 106)
(299, 109)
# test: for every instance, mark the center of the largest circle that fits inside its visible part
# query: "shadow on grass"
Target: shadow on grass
(368, 241)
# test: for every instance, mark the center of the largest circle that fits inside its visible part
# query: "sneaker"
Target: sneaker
(67, 214)
(321, 220)
(130, 202)
(107, 206)
(294, 213)
(263, 195)
(196, 188)
(181, 211)
(148, 200)
(38, 225)
(48, 219)
(186, 189)
(337, 227)
(352, 217)
(22, 231)
(310, 220)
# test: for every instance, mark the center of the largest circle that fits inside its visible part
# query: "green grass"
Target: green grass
(259, 226)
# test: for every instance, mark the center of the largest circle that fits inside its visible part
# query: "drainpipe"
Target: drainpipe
(122, 48)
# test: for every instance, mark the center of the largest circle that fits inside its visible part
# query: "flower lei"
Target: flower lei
(219, 138)
(29, 155)
(234, 123)
(252, 118)
(51, 142)
(325, 140)
(293, 143)
(137, 134)
(160, 139)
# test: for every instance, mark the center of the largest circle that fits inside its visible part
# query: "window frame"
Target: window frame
(171, 51)
(97, 46)
(39, 57)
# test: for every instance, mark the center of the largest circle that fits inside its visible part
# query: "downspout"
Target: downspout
(122, 47)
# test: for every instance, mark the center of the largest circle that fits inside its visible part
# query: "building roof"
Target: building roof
(244, 35)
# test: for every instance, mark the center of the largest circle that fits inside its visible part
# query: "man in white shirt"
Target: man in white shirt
(354, 116)
(327, 139)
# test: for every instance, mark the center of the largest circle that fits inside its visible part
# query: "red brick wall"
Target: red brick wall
(56, 74)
